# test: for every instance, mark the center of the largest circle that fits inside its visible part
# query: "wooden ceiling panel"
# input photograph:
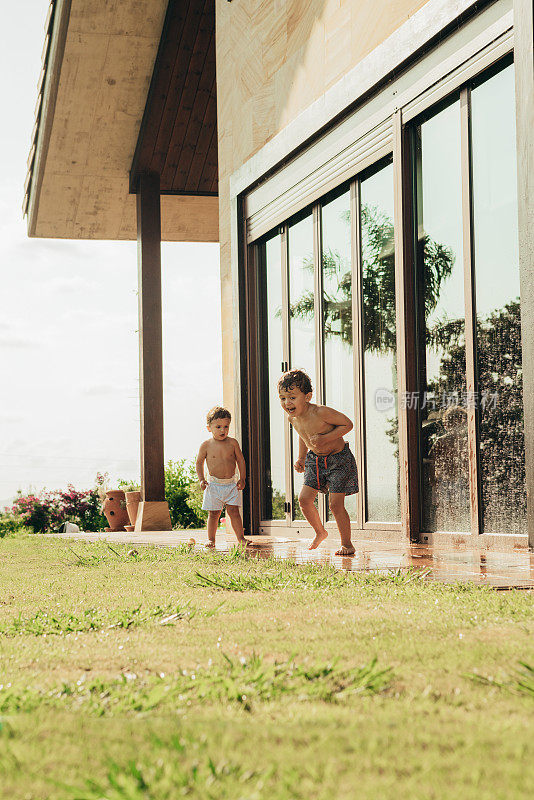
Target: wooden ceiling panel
(204, 139)
(178, 136)
(198, 118)
(209, 180)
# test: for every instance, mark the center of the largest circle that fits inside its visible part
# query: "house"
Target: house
(366, 166)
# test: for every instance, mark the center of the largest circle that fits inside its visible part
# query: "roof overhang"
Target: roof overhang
(99, 64)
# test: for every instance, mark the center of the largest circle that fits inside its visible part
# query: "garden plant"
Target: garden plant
(45, 511)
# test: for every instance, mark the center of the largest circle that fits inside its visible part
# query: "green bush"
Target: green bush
(11, 523)
(184, 495)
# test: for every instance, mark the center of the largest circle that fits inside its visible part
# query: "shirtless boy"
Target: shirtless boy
(221, 454)
(324, 457)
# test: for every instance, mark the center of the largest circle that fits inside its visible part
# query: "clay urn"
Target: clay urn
(115, 510)
(132, 503)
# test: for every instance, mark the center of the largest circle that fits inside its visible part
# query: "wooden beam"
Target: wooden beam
(150, 336)
(405, 313)
(470, 317)
(318, 325)
(524, 96)
(357, 347)
(250, 404)
(286, 350)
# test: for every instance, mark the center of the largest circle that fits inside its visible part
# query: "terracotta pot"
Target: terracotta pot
(115, 510)
(132, 503)
(129, 528)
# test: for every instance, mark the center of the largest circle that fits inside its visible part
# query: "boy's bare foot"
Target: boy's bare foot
(345, 550)
(210, 545)
(319, 537)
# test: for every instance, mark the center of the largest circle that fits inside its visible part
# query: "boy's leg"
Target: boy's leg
(237, 522)
(306, 499)
(337, 507)
(213, 522)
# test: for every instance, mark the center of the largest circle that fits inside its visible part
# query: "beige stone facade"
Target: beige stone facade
(274, 59)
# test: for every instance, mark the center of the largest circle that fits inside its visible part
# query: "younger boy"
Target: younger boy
(324, 457)
(221, 454)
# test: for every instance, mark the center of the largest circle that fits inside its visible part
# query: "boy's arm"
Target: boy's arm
(242, 467)
(342, 426)
(200, 465)
(303, 449)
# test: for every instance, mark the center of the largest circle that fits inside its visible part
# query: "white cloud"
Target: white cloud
(6, 417)
(17, 342)
(100, 389)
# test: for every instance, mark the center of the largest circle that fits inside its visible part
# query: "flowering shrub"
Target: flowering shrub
(46, 510)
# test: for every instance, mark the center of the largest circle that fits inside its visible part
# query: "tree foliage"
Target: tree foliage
(378, 284)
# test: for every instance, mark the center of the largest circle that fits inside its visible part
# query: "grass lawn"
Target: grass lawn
(171, 673)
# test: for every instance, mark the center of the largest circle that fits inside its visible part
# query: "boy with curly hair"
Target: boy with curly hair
(324, 457)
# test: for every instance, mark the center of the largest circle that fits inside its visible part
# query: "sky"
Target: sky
(69, 377)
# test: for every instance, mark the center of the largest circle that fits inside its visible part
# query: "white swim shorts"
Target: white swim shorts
(220, 492)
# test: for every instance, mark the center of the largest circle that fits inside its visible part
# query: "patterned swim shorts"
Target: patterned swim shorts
(334, 473)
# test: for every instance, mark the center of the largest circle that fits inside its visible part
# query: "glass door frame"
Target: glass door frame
(353, 187)
(405, 161)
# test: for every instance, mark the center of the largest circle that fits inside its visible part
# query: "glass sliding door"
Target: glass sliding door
(498, 319)
(379, 356)
(328, 299)
(301, 278)
(336, 267)
(274, 472)
(441, 398)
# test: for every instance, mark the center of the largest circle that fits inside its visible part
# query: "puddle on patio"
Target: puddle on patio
(498, 569)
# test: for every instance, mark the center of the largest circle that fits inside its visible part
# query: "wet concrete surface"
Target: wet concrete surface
(501, 570)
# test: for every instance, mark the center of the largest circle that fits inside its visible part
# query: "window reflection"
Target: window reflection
(380, 347)
(440, 293)
(502, 448)
(301, 319)
(275, 492)
(337, 315)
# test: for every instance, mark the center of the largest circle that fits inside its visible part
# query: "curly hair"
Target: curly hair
(217, 412)
(295, 377)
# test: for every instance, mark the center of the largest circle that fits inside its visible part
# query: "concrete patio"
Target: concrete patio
(447, 563)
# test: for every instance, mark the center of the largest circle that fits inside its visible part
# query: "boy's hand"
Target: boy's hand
(203, 484)
(299, 465)
(240, 484)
